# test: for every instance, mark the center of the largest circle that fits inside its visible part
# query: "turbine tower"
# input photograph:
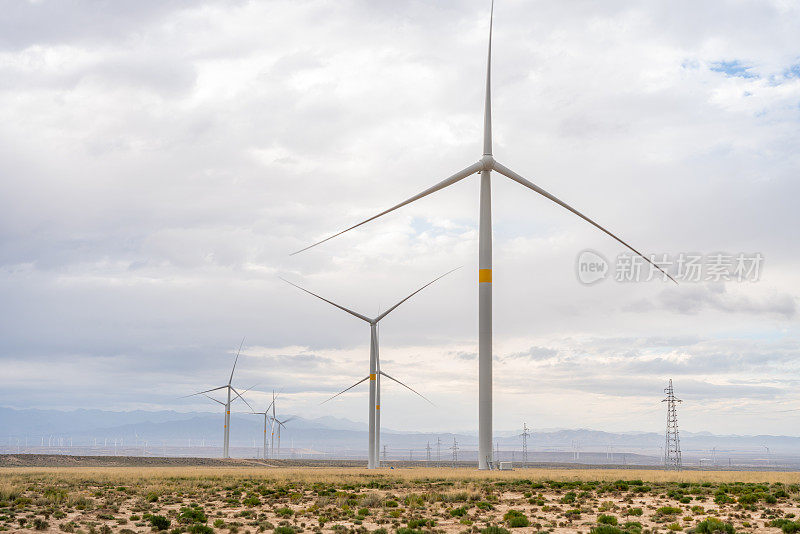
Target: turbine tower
(375, 371)
(484, 167)
(227, 404)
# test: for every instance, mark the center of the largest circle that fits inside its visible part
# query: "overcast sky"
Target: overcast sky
(159, 161)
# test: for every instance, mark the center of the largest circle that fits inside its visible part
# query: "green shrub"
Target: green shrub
(516, 519)
(40, 524)
(606, 529)
(569, 497)
(634, 511)
(668, 510)
(721, 497)
(284, 511)
(607, 519)
(786, 525)
(459, 512)
(283, 530)
(748, 498)
(151, 497)
(494, 530)
(192, 515)
(251, 500)
(200, 529)
(713, 525)
(159, 522)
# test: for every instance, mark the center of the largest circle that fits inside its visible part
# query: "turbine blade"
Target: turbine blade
(487, 110)
(519, 179)
(234, 361)
(407, 387)
(203, 392)
(239, 396)
(351, 312)
(213, 399)
(460, 175)
(344, 390)
(387, 312)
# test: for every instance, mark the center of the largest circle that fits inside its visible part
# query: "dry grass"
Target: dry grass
(13, 478)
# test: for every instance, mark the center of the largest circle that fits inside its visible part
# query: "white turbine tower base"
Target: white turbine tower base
(485, 166)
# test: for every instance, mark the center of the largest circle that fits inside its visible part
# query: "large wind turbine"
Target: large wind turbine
(227, 405)
(374, 369)
(484, 167)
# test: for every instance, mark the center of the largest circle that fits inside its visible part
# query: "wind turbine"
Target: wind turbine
(374, 370)
(227, 404)
(484, 167)
(276, 422)
(267, 419)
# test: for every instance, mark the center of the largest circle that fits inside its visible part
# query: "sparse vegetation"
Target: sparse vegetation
(408, 501)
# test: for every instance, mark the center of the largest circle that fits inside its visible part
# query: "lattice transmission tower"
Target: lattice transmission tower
(525, 435)
(672, 447)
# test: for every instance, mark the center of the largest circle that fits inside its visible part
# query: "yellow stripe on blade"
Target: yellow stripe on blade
(372, 376)
(485, 275)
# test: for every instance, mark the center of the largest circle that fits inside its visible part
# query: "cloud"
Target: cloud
(693, 299)
(160, 160)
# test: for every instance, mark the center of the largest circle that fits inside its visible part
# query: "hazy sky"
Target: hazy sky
(160, 160)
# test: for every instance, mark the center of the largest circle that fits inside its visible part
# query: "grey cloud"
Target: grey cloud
(535, 353)
(692, 299)
(52, 22)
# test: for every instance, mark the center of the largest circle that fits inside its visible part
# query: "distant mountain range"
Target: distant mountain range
(170, 430)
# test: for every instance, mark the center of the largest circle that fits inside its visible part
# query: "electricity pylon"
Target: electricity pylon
(672, 447)
(525, 434)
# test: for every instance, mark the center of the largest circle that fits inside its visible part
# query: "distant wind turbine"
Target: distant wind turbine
(375, 371)
(484, 167)
(267, 420)
(277, 423)
(227, 404)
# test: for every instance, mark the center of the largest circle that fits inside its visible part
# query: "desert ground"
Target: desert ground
(238, 499)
